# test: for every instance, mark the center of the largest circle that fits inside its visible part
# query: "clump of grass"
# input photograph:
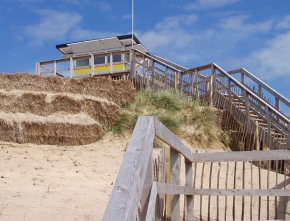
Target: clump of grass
(126, 122)
(175, 113)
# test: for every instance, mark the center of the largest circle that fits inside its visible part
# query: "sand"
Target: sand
(45, 182)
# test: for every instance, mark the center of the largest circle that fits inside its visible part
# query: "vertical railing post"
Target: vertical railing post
(168, 180)
(153, 75)
(132, 64)
(111, 62)
(175, 180)
(92, 65)
(247, 106)
(277, 103)
(189, 183)
(196, 85)
(54, 68)
(37, 68)
(257, 139)
(210, 89)
(268, 115)
(71, 67)
(149, 179)
(180, 82)
(175, 81)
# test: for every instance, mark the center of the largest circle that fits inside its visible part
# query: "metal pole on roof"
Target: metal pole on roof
(132, 24)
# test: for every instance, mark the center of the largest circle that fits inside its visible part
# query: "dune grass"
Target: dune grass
(184, 117)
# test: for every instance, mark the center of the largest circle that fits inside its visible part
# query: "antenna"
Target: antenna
(132, 24)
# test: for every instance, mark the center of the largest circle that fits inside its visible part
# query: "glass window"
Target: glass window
(82, 62)
(99, 60)
(116, 58)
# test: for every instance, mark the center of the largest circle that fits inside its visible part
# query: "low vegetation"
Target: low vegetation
(188, 119)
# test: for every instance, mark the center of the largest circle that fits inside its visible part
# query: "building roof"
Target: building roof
(101, 45)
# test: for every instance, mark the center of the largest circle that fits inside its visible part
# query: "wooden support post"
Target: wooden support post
(132, 64)
(247, 106)
(175, 80)
(277, 104)
(71, 67)
(196, 85)
(269, 136)
(188, 183)
(149, 179)
(175, 179)
(92, 65)
(54, 68)
(37, 68)
(111, 62)
(153, 75)
(168, 180)
(210, 90)
(257, 140)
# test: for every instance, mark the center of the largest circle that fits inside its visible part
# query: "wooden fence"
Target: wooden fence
(221, 186)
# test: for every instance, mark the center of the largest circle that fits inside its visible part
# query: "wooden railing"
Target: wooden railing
(67, 67)
(261, 89)
(211, 182)
(149, 71)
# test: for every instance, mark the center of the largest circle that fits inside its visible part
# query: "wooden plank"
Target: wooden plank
(168, 180)
(201, 186)
(209, 198)
(251, 199)
(226, 186)
(152, 202)
(164, 188)
(189, 198)
(126, 193)
(172, 140)
(147, 186)
(234, 187)
(175, 180)
(243, 186)
(218, 186)
(242, 156)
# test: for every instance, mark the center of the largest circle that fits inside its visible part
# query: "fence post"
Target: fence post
(54, 68)
(210, 89)
(189, 183)
(145, 196)
(37, 68)
(268, 115)
(71, 67)
(175, 179)
(257, 136)
(111, 62)
(92, 65)
(168, 180)
(132, 65)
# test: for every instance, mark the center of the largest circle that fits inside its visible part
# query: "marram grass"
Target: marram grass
(176, 113)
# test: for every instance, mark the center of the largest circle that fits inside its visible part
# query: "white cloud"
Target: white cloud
(104, 6)
(238, 25)
(203, 4)
(284, 24)
(53, 25)
(170, 33)
(272, 61)
(126, 17)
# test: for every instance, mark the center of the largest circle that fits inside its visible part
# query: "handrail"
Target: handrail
(156, 59)
(244, 88)
(262, 84)
(135, 188)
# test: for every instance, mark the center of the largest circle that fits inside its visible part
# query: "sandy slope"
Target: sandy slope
(57, 182)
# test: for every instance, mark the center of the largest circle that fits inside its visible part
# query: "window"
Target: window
(116, 58)
(99, 60)
(82, 62)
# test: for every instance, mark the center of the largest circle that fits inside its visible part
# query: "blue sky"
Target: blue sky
(254, 34)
